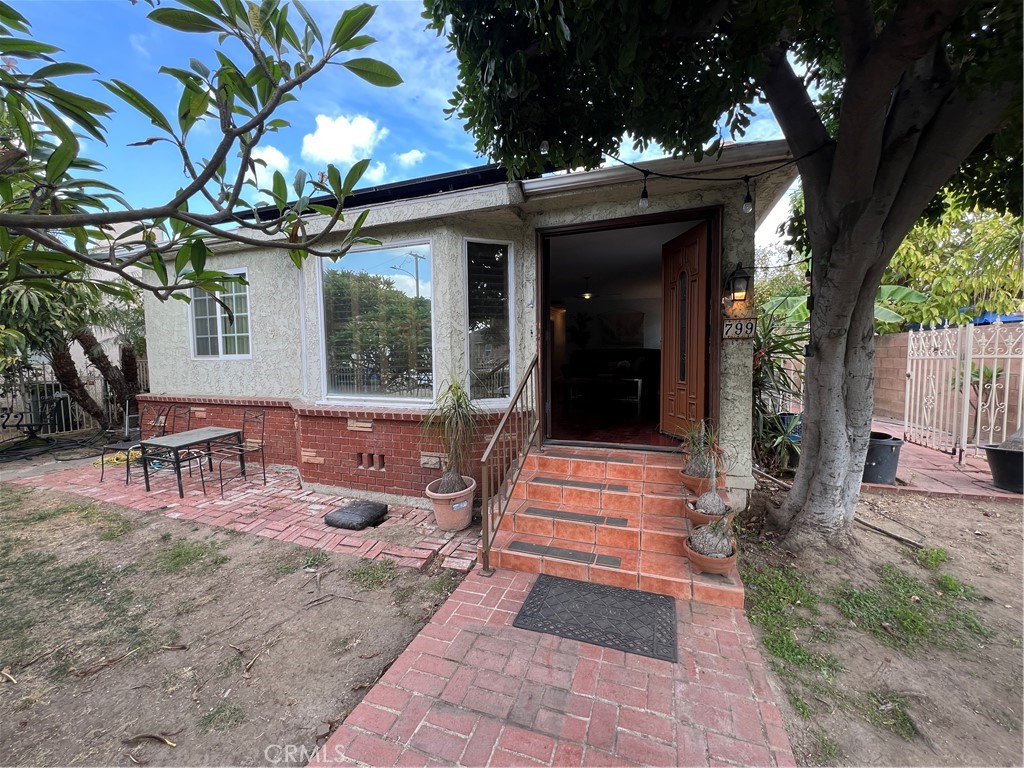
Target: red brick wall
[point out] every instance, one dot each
(890, 375)
(346, 447)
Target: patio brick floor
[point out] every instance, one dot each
(471, 690)
(280, 510)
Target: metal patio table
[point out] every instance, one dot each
(175, 447)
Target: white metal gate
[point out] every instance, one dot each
(963, 387)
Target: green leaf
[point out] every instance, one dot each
(58, 163)
(358, 42)
(300, 181)
(199, 254)
(26, 49)
(60, 69)
(159, 267)
(310, 23)
(183, 257)
(354, 174)
(132, 97)
(184, 21)
(351, 21)
(280, 190)
(374, 72)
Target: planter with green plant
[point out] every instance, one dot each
(711, 548)
(450, 426)
(702, 459)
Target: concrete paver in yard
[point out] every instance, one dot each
(473, 690)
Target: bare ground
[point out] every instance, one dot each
(955, 699)
(127, 632)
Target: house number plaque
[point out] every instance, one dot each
(738, 327)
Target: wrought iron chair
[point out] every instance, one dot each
(152, 420)
(254, 422)
(178, 418)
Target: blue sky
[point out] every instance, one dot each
(337, 119)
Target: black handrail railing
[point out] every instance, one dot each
(503, 459)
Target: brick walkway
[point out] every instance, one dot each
(280, 510)
(471, 689)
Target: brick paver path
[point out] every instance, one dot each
(280, 510)
(471, 689)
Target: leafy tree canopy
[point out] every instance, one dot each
(58, 217)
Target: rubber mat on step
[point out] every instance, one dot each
(612, 617)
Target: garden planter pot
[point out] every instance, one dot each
(700, 518)
(1007, 467)
(452, 511)
(703, 564)
(883, 458)
(700, 484)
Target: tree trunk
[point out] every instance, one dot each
(67, 374)
(118, 388)
(839, 398)
(130, 369)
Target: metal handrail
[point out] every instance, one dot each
(503, 459)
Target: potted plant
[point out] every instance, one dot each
(1006, 463)
(703, 458)
(450, 425)
(711, 547)
(709, 506)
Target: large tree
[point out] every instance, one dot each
(61, 223)
(881, 103)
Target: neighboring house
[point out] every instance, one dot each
(475, 276)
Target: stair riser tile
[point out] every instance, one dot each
(552, 465)
(565, 569)
(621, 502)
(582, 497)
(596, 470)
(671, 587)
(539, 526)
(574, 531)
(665, 543)
(516, 561)
(667, 475)
(727, 596)
(662, 505)
(617, 471)
(622, 538)
(614, 578)
(544, 492)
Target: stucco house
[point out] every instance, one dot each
(622, 304)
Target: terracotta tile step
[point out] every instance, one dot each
(666, 573)
(607, 465)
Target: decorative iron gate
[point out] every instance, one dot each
(963, 387)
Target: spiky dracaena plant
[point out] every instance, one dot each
(705, 454)
(713, 540)
(450, 424)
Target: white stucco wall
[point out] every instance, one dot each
(285, 302)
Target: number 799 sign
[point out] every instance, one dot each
(738, 327)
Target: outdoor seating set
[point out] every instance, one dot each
(160, 438)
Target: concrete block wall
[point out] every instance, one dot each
(890, 375)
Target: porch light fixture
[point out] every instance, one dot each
(737, 285)
(748, 200)
(644, 201)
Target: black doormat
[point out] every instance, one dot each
(612, 617)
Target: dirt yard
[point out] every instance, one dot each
(132, 639)
(891, 655)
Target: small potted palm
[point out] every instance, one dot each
(450, 426)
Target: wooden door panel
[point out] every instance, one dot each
(684, 324)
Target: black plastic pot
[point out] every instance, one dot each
(1007, 467)
(883, 459)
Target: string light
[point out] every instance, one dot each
(644, 200)
(544, 147)
(748, 200)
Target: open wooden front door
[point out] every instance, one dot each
(684, 330)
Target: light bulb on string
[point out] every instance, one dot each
(748, 200)
(644, 199)
(544, 147)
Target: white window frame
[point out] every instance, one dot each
(220, 337)
(513, 379)
(380, 400)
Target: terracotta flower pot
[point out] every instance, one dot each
(452, 511)
(700, 518)
(703, 564)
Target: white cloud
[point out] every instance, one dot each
(342, 139)
(410, 158)
(407, 285)
(138, 43)
(274, 159)
(375, 173)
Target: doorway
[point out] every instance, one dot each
(616, 334)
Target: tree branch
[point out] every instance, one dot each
(856, 30)
(957, 128)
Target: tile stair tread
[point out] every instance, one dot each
(630, 486)
(667, 524)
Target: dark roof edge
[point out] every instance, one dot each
(451, 181)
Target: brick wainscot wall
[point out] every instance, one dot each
(376, 451)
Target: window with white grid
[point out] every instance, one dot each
(216, 332)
